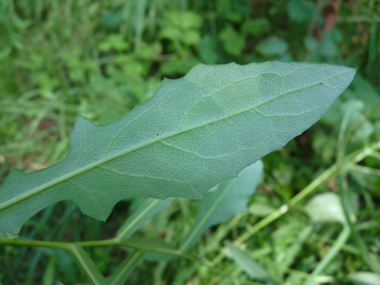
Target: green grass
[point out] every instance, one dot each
(99, 59)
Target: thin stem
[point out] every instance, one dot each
(127, 267)
(295, 200)
(267, 220)
(360, 154)
(365, 170)
(69, 245)
(345, 135)
(334, 170)
(127, 229)
(371, 262)
(88, 265)
(341, 240)
(201, 223)
(36, 243)
(375, 155)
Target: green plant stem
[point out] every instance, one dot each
(68, 246)
(341, 240)
(365, 170)
(360, 154)
(368, 259)
(376, 155)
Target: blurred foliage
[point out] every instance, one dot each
(101, 58)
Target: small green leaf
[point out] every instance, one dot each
(233, 42)
(310, 43)
(146, 211)
(49, 273)
(185, 20)
(300, 11)
(195, 132)
(256, 27)
(110, 20)
(364, 131)
(351, 111)
(261, 209)
(120, 275)
(249, 265)
(272, 47)
(326, 208)
(364, 278)
(223, 201)
(89, 266)
(289, 255)
(208, 50)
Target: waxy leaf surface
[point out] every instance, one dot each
(195, 132)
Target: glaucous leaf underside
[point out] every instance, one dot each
(195, 132)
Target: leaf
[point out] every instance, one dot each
(287, 257)
(351, 111)
(272, 47)
(120, 275)
(233, 42)
(364, 278)
(261, 209)
(208, 49)
(310, 43)
(89, 266)
(326, 208)
(146, 211)
(364, 131)
(300, 11)
(49, 273)
(256, 27)
(223, 201)
(249, 265)
(110, 20)
(194, 133)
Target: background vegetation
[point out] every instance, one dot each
(101, 58)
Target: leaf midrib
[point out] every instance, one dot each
(63, 178)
